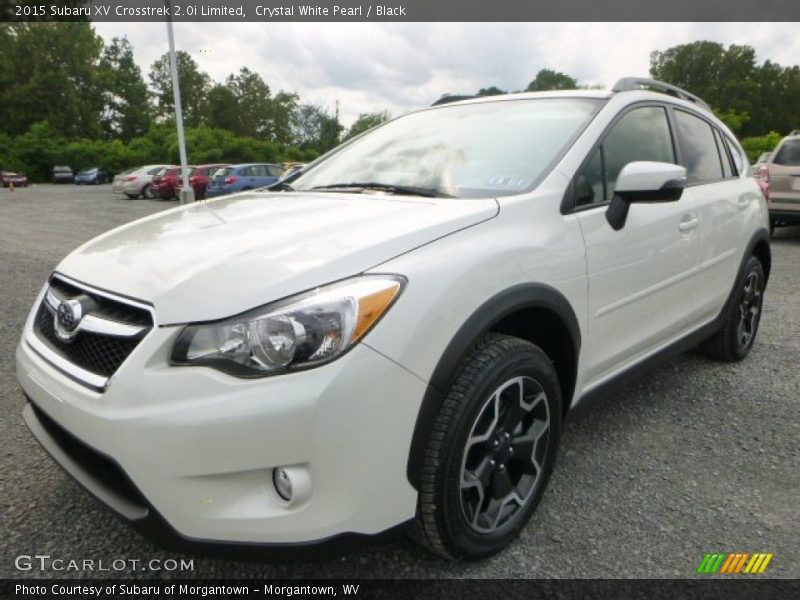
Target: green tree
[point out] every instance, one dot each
(48, 72)
(222, 108)
(193, 83)
(752, 99)
(491, 91)
(282, 117)
(547, 79)
(316, 129)
(366, 121)
(254, 102)
(126, 111)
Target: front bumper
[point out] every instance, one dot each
(199, 447)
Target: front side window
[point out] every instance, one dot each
(700, 152)
(641, 134)
(479, 150)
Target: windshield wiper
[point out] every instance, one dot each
(389, 187)
(278, 186)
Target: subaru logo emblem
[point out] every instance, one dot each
(69, 314)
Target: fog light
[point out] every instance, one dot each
(283, 483)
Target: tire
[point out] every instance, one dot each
(736, 337)
(132, 196)
(468, 460)
(771, 228)
(147, 192)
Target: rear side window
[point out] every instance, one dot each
(788, 154)
(155, 170)
(700, 152)
(641, 134)
(274, 170)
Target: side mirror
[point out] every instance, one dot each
(644, 182)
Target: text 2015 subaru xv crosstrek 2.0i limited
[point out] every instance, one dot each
(394, 336)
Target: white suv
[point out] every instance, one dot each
(394, 337)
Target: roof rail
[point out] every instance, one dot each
(447, 99)
(629, 84)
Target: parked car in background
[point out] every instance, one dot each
(93, 176)
(166, 182)
(239, 178)
(9, 177)
(782, 172)
(136, 182)
(291, 169)
(762, 160)
(201, 176)
(62, 174)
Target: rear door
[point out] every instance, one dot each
(638, 277)
(784, 177)
(719, 201)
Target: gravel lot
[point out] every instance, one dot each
(698, 457)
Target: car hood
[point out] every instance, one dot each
(215, 259)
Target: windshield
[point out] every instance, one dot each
(467, 151)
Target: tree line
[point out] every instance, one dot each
(66, 97)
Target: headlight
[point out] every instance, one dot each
(297, 333)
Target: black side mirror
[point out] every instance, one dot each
(644, 182)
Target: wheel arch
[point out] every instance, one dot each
(536, 312)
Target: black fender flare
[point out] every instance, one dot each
(518, 297)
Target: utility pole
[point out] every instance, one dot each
(186, 194)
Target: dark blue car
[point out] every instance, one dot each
(238, 178)
(92, 177)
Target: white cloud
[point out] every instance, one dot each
(401, 66)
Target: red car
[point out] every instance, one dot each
(167, 182)
(9, 177)
(200, 177)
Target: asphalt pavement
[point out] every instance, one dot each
(697, 457)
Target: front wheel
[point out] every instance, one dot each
(492, 449)
(734, 341)
(148, 193)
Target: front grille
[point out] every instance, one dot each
(97, 353)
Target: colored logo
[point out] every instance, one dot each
(735, 563)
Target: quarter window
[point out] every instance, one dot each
(727, 173)
(641, 134)
(700, 152)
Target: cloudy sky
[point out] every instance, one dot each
(401, 66)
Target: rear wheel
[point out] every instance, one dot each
(734, 341)
(491, 451)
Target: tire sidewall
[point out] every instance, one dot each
(465, 542)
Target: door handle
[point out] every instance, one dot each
(688, 223)
(743, 202)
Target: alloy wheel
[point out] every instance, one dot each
(749, 309)
(504, 454)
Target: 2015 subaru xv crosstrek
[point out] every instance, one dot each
(394, 335)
